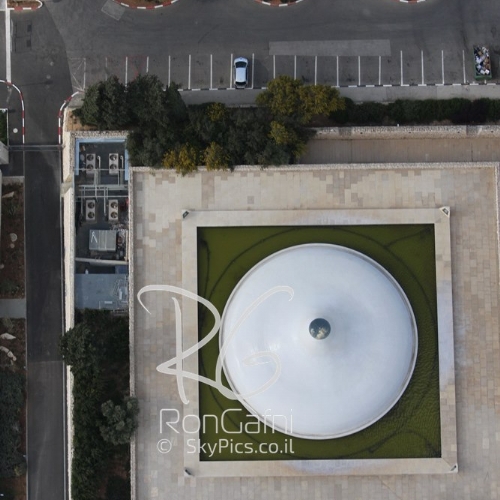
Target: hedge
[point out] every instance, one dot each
(97, 349)
(407, 112)
(12, 461)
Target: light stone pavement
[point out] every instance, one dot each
(404, 145)
(158, 199)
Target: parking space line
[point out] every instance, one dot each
(338, 71)
(401, 67)
(274, 66)
(253, 67)
(211, 72)
(147, 65)
(8, 46)
(380, 70)
(315, 70)
(231, 73)
(442, 65)
(463, 63)
(189, 73)
(359, 70)
(126, 71)
(422, 59)
(295, 67)
(84, 71)
(169, 71)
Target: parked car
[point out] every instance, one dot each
(240, 68)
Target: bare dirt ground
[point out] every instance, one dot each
(15, 488)
(12, 242)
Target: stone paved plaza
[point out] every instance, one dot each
(158, 200)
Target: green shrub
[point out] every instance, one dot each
(408, 112)
(3, 127)
(117, 488)
(97, 351)
(12, 462)
(368, 113)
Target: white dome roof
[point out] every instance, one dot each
(327, 387)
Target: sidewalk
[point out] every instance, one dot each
(396, 145)
(357, 94)
(12, 308)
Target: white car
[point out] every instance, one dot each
(240, 68)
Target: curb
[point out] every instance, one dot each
(23, 128)
(277, 3)
(60, 115)
(21, 9)
(148, 7)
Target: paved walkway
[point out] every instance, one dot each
(358, 94)
(401, 150)
(12, 308)
(158, 199)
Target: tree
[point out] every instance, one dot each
(282, 97)
(147, 102)
(120, 421)
(78, 347)
(105, 105)
(216, 158)
(288, 136)
(289, 100)
(184, 159)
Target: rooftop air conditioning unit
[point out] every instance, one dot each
(90, 208)
(113, 163)
(90, 161)
(113, 210)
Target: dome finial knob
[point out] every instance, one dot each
(319, 328)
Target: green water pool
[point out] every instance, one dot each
(410, 430)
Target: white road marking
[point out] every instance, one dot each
(189, 73)
(274, 66)
(126, 72)
(84, 72)
(422, 59)
(211, 72)
(359, 70)
(442, 65)
(231, 73)
(401, 67)
(147, 65)
(253, 68)
(295, 67)
(315, 70)
(338, 71)
(169, 71)
(463, 63)
(8, 47)
(380, 70)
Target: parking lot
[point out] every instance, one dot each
(214, 71)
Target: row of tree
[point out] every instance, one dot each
(104, 416)
(163, 131)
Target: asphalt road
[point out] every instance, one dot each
(191, 41)
(46, 427)
(40, 70)
(69, 44)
